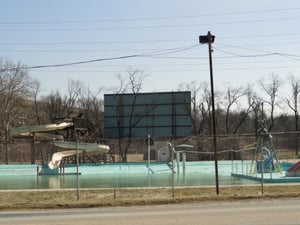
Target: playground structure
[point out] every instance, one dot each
(265, 156)
(265, 164)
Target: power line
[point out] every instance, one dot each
(163, 53)
(81, 62)
(174, 70)
(232, 37)
(266, 53)
(178, 64)
(168, 26)
(98, 42)
(134, 56)
(150, 54)
(149, 18)
(246, 56)
(157, 54)
(204, 63)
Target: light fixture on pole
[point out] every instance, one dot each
(209, 39)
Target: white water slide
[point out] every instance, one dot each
(40, 132)
(72, 146)
(29, 130)
(58, 157)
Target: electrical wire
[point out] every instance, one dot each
(222, 56)
(163, 54)
(151, 54)
(266, 53)
(232, 37)
(98, 42)
(246, 56)
(121, 42)
(151, 18)
(167, 26)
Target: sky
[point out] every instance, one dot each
(253, 39)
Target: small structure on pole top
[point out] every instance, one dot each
(204, 39)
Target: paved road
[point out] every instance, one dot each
(258, 212)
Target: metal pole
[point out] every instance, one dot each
(77, 169)
(172, 169)
(149, 156)
(183, 162)
(173, 192)
(242, 167)
(262, 171)
(209, 37)
(177, 160)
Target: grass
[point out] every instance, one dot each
(54, 199)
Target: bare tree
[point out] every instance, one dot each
(92, 107)
(201, 106)
(254, 104)
(134, 85)
(36, 90)
(194, 88)
(232, 95)
(205, 109)
(54, 106)
(250, 107)
(271, 89)
(15, 87)
(75, 89)
(63, 106)
(293, 105)
(293, 100)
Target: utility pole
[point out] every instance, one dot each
(209, 39)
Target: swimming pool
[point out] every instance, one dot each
(113, 175)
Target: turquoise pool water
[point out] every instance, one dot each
(200, 173)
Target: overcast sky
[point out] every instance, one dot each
(253, 39)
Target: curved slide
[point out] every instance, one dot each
(58, 157)
(28, 130)
(81, 146)
(72, 146)
(40, 131)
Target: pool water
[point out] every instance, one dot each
(200, 173)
